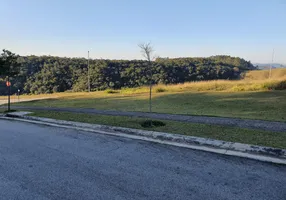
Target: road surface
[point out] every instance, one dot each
(41, 162)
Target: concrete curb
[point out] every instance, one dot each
(266, 154)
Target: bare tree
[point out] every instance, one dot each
(147, 51)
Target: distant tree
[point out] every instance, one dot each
(147, 51)
(9, 68)
(9, 65)
(47, 74)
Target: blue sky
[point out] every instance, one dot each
(177, 28)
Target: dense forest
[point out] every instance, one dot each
(47, 74)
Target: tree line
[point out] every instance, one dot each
(48, 74)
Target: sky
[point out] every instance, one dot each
(112, 29)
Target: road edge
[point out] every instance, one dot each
(265, 154)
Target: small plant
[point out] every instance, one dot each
(158, 90)
(109, 91)
(281, 86)
(152, 123)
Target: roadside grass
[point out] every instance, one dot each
(267, 105)
(226, 133)
(6, 111)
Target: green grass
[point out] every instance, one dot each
(254, 97)
(267, 105)
(4, 110)
(232, 134)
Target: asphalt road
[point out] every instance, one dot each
(41, 162)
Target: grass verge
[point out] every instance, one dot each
(232, 134)
(268, 105)
(3, 110)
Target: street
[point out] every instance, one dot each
(42, 162)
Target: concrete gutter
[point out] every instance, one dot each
(266, 154)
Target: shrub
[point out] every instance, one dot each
(158, 90)
(277, 85)
(134, 90)
(152, 123)
(281, 85)
(238, 88)
(109, 91)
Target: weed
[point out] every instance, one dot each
(109, 91)
(158, 90)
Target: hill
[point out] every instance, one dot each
(267, 65)
(48, 74)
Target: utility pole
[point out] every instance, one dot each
(88, 75)
(8, 84)
(270, 68)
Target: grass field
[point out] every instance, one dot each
(232, 134)
(253, 97)
(270, 105)
(264, 74)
